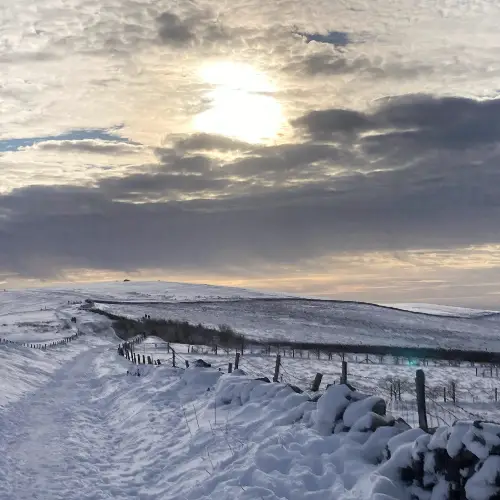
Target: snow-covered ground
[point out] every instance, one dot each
(440, 310)
(330, 321)
(474, 394)
(75, 425)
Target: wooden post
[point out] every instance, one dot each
(173, 358)
(187, 363)
(237, 361)
(453, 392)
(420, 389)
(444, 394)
(143, 359)
(476, 371)
(343, 377)
(277, 368)
(316, 382)
(496, 395)
(230, 368)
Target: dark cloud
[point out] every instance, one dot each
(277, 204)
(334, 62)
(181, 32)
(393, 210)
(158, 185)
(322, 124)
(207, 142)
(174, 31)
(413, 121)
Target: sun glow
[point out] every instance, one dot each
(242, 104)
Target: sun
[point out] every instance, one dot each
(241, 103)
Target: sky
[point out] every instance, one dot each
(344, 149)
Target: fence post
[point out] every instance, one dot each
(453, 392)
(316, 382)
(237, 361)
(420, 389)
(496, 395)
(173, 358)
(444, 394)
(230, 368)
(343, 377)
(143, 359)
(277, 368)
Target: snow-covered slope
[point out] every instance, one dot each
(329, 321)
(75, 425)
(440, 310)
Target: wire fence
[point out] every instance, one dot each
(445, 401)
(43, 345)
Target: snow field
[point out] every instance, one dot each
(94, 432)
(328, 322)
(76, 425)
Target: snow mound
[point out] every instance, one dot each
(461, 461)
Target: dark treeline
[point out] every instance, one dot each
(173, 331)
(224, 336)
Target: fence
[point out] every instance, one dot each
(45, 345)
(444, 402)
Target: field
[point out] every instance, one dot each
(75, 424)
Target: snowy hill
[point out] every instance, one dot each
(76, 425)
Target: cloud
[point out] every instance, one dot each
(424, 206)
(336, 63)
(392, 144)
(413, 121)
(82, 137)
(210, 142)
(321, 124)
(179, 32)
(94, 146)
(174, 31)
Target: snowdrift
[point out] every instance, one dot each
(462, 461)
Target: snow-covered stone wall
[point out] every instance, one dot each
(457, 462)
